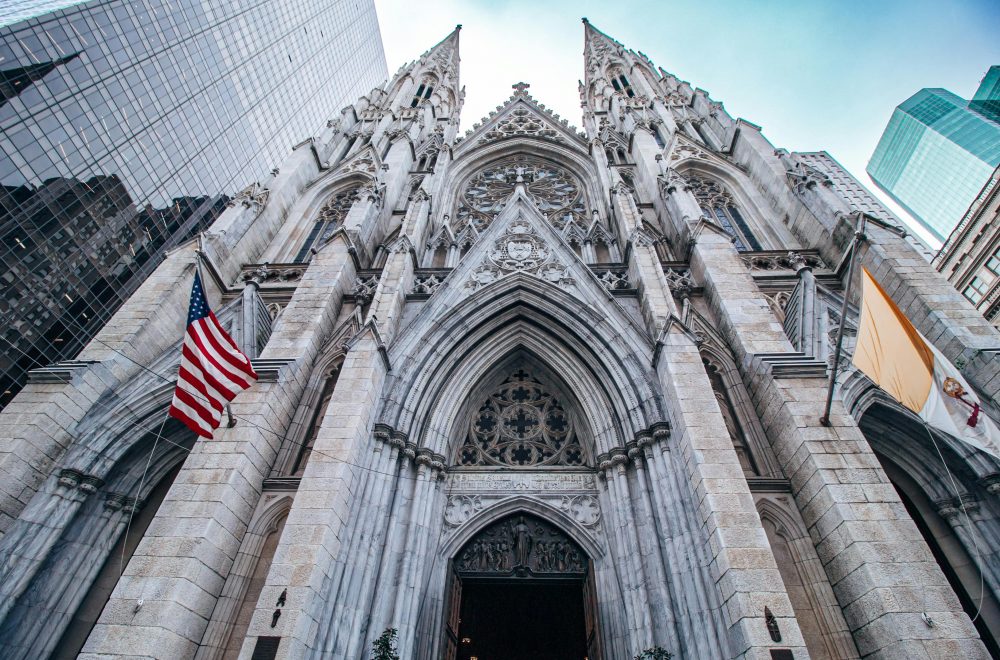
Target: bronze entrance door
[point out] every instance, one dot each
(521, 590)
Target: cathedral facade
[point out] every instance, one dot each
(526, 390)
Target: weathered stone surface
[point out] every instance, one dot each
(623, 337)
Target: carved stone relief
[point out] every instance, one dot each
(520, 249)
(520, 121)
(523, 546)
(574, 492)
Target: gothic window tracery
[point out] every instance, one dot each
(330, 217)
(521, 424)
(719, 206)
(558, 194)
(423, 93)
(621, 83)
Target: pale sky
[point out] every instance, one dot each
(815, 75)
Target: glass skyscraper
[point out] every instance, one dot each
(937, 153)
(125, 126)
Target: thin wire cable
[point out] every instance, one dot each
(142, 481)
(138, 422)
(968, 521)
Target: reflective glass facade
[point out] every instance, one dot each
(935, 155)
(126, 125)
(986, 100)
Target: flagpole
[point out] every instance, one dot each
(859, 236)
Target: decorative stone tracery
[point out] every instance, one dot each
(518, 122)
(521, 424)
(719, 206)
(557, 193)
(330, 216)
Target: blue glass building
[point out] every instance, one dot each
(126, 125)
(938, 151)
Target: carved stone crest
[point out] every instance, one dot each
(520, 249)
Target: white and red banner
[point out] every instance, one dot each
(893, 353)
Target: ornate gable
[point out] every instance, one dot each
(520, 249)
(522, 116)
(366, 161)
(685, 149)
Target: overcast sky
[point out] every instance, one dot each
(815, 75)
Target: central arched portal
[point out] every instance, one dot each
(521, 589)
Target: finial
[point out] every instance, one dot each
(585, 21)
(520, 89)
(458, 27)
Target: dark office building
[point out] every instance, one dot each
(125, 126)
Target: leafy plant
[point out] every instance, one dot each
(384, 648)
(655, 653)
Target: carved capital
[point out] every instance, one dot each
(90, 484)
(69, 478)
(121, 502)
(991, 483)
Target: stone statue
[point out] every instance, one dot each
(522, 543)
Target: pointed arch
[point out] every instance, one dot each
(230, 619)
(294, 453)
(524, 384)
(311, 223)
(438, 248)
(729, 198)
(522, 504)
(604, 364)
(820, 617)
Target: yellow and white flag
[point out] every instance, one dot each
(896, 356)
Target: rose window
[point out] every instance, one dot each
(521, 424)
(557, 193)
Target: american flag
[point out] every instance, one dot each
(213, 370)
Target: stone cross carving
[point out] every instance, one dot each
(520, 89)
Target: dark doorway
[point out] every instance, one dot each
(522, 620)
(521, 589)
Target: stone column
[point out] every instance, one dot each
(881, 571)
(179, 568)
(31, 539)
(630, 568)
(318, 523)
(742, 565)
(661, 592)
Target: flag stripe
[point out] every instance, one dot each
(210, 363)
(210, 417)
(226, 346)
(212, 354)
(210, 331)
(197, 389)
(235, 352)
(198, 368)
(212, 372)
(179, 411)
